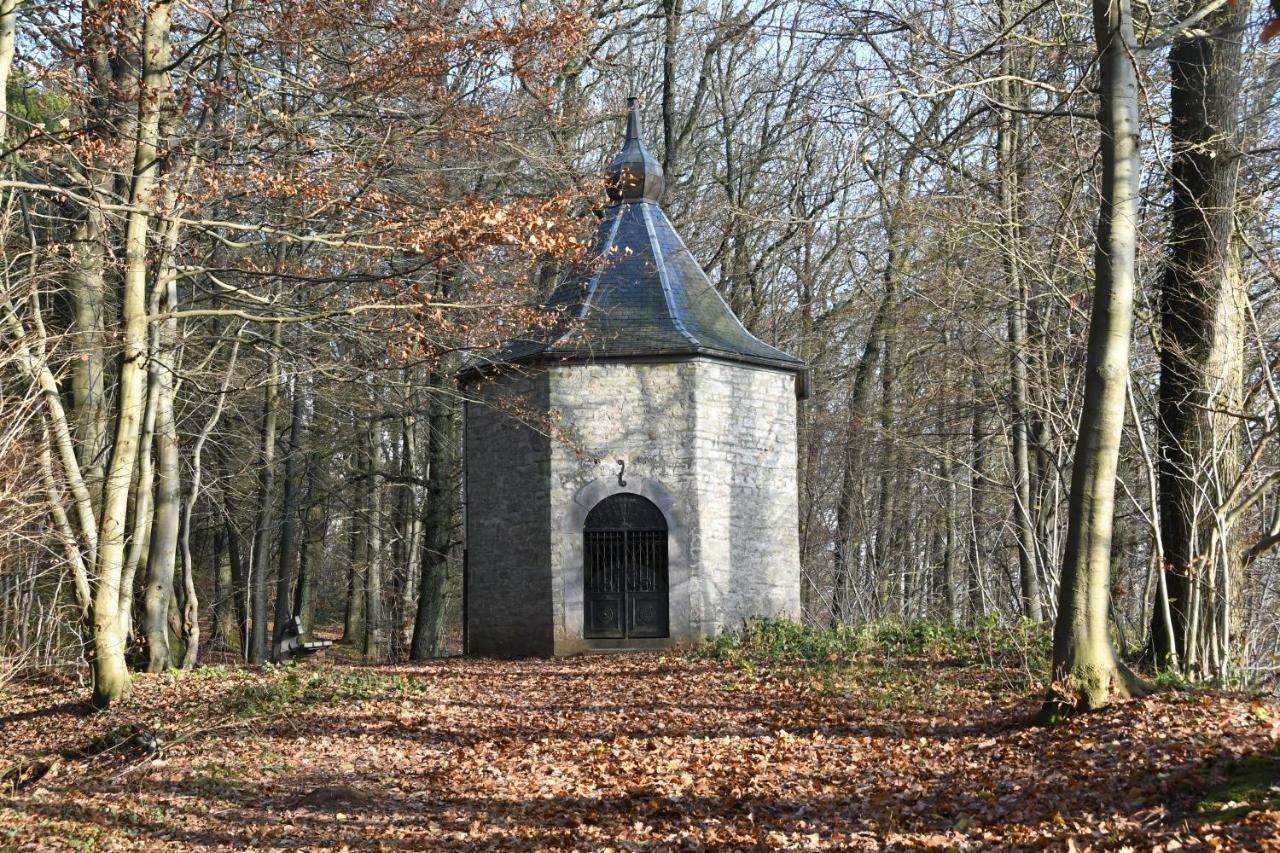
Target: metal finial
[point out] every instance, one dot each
(633, 119)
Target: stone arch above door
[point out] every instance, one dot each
(569, 532)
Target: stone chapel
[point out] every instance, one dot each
(663, 508)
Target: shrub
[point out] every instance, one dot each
(1023, 645)
(782, 641)
(298, 689)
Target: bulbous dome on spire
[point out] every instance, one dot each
(634, 174)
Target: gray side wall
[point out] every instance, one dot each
(508, 521)
(745, 435)
(712, 444)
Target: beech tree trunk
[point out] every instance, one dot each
(891, 579)
(311, 560)
(223, 630)
(289, 512)
(162, 553)
(143, 514)
(190, 602)
(316, 522)
(408, 526)
(1010, 241)
(239, 583)
(672, 10)
(979, 542)
(374, 642)
(947, 570)
(854, 445)
(1086, 670)
(110, 675)
(353, 618)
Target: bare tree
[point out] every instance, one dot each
(1085, 668)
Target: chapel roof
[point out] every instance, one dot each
(642, 294)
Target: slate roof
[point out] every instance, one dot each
(643, 295)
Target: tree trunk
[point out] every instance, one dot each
(311, 561)
(1086, 669)
(978, 541)
(1202, 303)
(1046, 479)
(891, 581)
(190, 601)
(672, 10)
(87, 288)
(175, 622)
(224, 621)
(162, 552)
(110, 675)
(374, 645)
(840, 556)
(854, 444)
(143, 505)
(239, 581)
(408, 524)
(353, 619)
(947, 573)
(257, 650)
(437, 522)
(289, 511)
(946, 582)
(1010, 241)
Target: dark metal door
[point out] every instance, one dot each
(625, 570)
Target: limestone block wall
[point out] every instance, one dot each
(508, 592)
(747, 491)
(642, 414)
(713, 444)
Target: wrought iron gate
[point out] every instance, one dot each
(625, 569)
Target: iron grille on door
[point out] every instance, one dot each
(625, 570)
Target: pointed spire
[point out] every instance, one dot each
(634, 174)
(633, 120)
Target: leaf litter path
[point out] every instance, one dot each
(620, 751)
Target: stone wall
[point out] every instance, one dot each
(508, 589)
(745, 435)
(643, 415)
(714, 441)
(711, 443)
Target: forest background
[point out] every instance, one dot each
(246, 246)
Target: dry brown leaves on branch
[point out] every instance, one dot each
(618, 752)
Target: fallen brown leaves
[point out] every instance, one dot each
(622, 751)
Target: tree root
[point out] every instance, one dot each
(1093, 691)
(1129, 685)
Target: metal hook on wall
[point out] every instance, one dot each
(622, 469)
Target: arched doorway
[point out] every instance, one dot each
(624, 555)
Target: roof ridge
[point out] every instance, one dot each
(585, 308)
(716, 292)
(663, 280)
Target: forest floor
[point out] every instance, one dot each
(626, 751)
